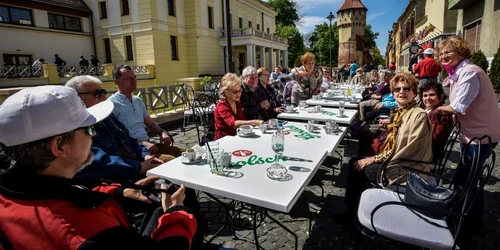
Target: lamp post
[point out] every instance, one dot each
(330, 17)
(349, 49)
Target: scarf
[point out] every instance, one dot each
(392, 129)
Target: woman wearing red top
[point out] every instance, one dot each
(228, 112)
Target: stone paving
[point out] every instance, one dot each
(326, 233)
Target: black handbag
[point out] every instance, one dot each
(435, 198)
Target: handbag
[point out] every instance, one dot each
(437, 199)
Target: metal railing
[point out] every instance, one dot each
(20, 71)
(69, 71)
(255, 33)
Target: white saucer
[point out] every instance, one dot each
(184, 160)
(247, 135)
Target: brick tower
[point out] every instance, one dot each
(351, 21)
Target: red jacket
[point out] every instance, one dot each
(426, 68)
(225, 118)
(43, 212)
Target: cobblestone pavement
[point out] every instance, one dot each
(326, 233)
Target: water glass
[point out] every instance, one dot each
(318, 108)
(302, 105)
(330, 127)
(341, 107)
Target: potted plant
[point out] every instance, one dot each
(495, 72)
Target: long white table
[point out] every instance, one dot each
(254, 187)
(325, 115)
(330, 103)
(355, 96)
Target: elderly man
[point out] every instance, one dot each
(253, 107)
(46, 132)
(427, 69)
(117, 156)
(131, 111)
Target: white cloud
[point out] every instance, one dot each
(309, 22)
(374, 15)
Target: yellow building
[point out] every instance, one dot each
(185, 38)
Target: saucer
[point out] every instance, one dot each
(290, 112)
(341, 116)
(184, 160)
(247, 135)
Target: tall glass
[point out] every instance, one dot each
(213, 155)
(341, 107)
(302, 105)
(277, 171)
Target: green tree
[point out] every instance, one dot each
(478, 58)
(495, 71)
(320, 43)
(378, 59)
(371, 36)
(296, 45)
(287, 12)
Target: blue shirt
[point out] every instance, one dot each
(131, 114)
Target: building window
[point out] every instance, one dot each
(210, 17)
(107, 50)
(240, 23)
(129, 49)
(171, 7)
(249, 24)
(268, 31)
(60, 22)
(258, 26)
(17, 60)
(125, 9)
(15, 15)
(173, 48)
(103, 10)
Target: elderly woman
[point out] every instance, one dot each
(308, 79)
(472, 100)
(328, 81)
(267, 93)
(376, 98)
(228, 112)
(409, 138)
(359, 78)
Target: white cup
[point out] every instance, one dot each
(273, 123)
(263, 127)
(190, 154)
(245, 129)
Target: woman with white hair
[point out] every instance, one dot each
(229, 112)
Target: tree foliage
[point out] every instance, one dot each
(495, 71)
(320, 43)
(478, 58)
(287, 12)
(378, 59)
(371, 36)
(295, 41)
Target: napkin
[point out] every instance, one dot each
(200, 151)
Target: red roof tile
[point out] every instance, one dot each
(352, 4)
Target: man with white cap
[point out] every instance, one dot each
(46, 135)
(427, 69)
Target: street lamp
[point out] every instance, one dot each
(349, 49)
(330, 17)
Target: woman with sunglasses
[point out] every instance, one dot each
(228, 112)
(267, 93)
(473, 101)
(409, 138)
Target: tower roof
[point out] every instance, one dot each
(352, 4)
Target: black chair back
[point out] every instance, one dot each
(448, 148)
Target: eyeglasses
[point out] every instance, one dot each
(97, 93)
(405, 89)
(89, 129)
(239, 91)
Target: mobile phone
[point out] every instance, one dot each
(155, 196)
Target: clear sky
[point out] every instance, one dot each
(381, 15)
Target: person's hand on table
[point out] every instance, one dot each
(154, 160)
(279, 109)
(176, 199)
(363, 163)
(152, 148)
(256, 122)
(137, 194)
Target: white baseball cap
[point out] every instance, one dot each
(429, 51)
(41, 112)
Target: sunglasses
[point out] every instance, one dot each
(236, 91)
(89, 129)
(405, 89)
(97, 93)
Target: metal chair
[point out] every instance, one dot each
(383, 215)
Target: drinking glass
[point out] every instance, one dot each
(341, 107)
(302, 105)
(214, 154)
(277, 171)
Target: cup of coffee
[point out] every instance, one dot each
(189, 154)
(263, 127)
(273, 123)
(245, 130)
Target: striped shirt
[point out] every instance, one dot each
(131, 114)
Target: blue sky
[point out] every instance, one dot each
(381, 15)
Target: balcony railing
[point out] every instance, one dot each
(20, 71)
(253, 33)
(69, 71)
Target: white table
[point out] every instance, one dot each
(356, 96)
(325, 115)
(330, 103)
(254, 187)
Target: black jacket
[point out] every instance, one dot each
(250, 102)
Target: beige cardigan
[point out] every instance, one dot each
(413, 142)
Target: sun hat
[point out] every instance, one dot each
(41, 112)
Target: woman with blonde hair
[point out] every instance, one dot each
(308, 79)
(228, 112)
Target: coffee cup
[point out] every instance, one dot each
(263, 127)
(189, 154)
(273, 123)
(245, 130)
